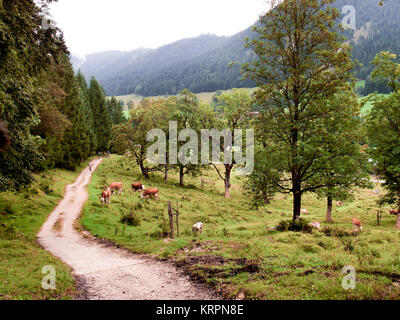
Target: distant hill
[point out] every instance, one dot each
(201, 64)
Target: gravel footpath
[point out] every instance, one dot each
(109, 273)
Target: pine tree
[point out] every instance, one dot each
(88, 114)
(102, 121)
(115, 111)
(76, 143)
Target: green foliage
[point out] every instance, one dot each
(25, 51)
(102, 121)
(338, 232)
(301, 225)
(297, 125)
(115, 111)
(131, 218)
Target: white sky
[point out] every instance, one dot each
(98, 25)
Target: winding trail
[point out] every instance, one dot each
(109, 273)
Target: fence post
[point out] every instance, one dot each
(171, 219)
(379, 217)
(177, 219)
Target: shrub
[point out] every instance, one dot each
(301, 225)
(283, 225)
(131, 219)
(45, 187)
(309, 248)
(337, 232)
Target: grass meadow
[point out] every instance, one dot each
(237, 253)
(22, 259)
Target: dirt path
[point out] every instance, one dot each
(107, 272)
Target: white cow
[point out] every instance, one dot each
(198, 227)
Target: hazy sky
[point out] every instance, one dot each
(98, 25)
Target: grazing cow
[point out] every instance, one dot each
(106, 196)
(394, 211)
(4, 138)
(150, 192)
(316, 225)
(116, 186)
(357, 225)
(198, 227)
(137, 186)
(339, 203)
(303, 211)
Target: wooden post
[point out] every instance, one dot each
(379, 217)
(171, 219)
(177, 219)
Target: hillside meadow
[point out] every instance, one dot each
(238, 254)
(21, 216)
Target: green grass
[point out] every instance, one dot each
(22, 259)
(236, 252)
(367, 107)
(203, 96)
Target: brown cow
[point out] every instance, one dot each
(137, 186)
(150, 192)
(116, 186)
(394, 211)
(357, 225)
(106, 196)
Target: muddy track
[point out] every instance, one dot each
(109, 273)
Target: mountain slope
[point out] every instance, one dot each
(202, 64)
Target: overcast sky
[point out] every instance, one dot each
(98, 25)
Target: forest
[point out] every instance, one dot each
(55, 119)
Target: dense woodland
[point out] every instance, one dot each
(53, 117)
(202, 64)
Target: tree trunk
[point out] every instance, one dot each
(265, 197)
(144, 171)
(181, 175)
(166, 174)
(398, 222)
(227, 181)
(329, 210)
(296, 205)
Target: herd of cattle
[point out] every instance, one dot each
(116, 187)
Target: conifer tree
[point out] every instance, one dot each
(102, 121)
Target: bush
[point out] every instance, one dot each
(337, 232)
(283, 225)
(45, 187)
(131, 219)
(301, 225)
